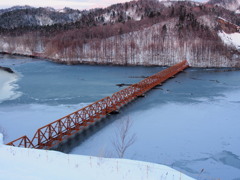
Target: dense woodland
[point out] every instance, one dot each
(144, 32)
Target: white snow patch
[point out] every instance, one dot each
(137, 18)
(44, 20)
(207, 20)
(133, 14)
(8, 86)
(237, 11)
(224, 20)
(107, 17)
(170, 2)
(232, 39)
(62, 10)
(5, 46)
(28, 164)
(230, 5)
(167, 3)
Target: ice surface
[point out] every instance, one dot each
(187, 136)
(30, 117)
(190, 123)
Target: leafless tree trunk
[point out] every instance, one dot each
(123, 139)
(3, 132)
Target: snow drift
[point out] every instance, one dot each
(28, 164)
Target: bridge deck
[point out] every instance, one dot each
(60, 130)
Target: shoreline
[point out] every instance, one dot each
(58, 61)
(7, 69)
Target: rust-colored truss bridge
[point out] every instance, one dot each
(52, 134)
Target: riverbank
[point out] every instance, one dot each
(74, 62)
(89, 62)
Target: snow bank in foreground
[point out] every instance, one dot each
(28, 164)
(230, 39)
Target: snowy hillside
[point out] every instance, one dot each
(232, 39)
(143, 32)
(26, 16)
(28, 164)
(14, 8)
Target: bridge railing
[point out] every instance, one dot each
(54, 133)
(21, 142)
(59, 130)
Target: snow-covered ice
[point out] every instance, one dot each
(189, 124)
(197, 134)
(8, 86)
(31, 164)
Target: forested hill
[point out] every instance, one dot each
(143, 32)
(232, 5)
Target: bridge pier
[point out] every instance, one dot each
(142, 95)
(77, 139)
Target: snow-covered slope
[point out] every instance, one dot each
(232, 39)
(29, 164)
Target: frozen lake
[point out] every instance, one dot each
(191, 123)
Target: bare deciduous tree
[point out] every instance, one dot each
(123, 139)
(3, 132)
